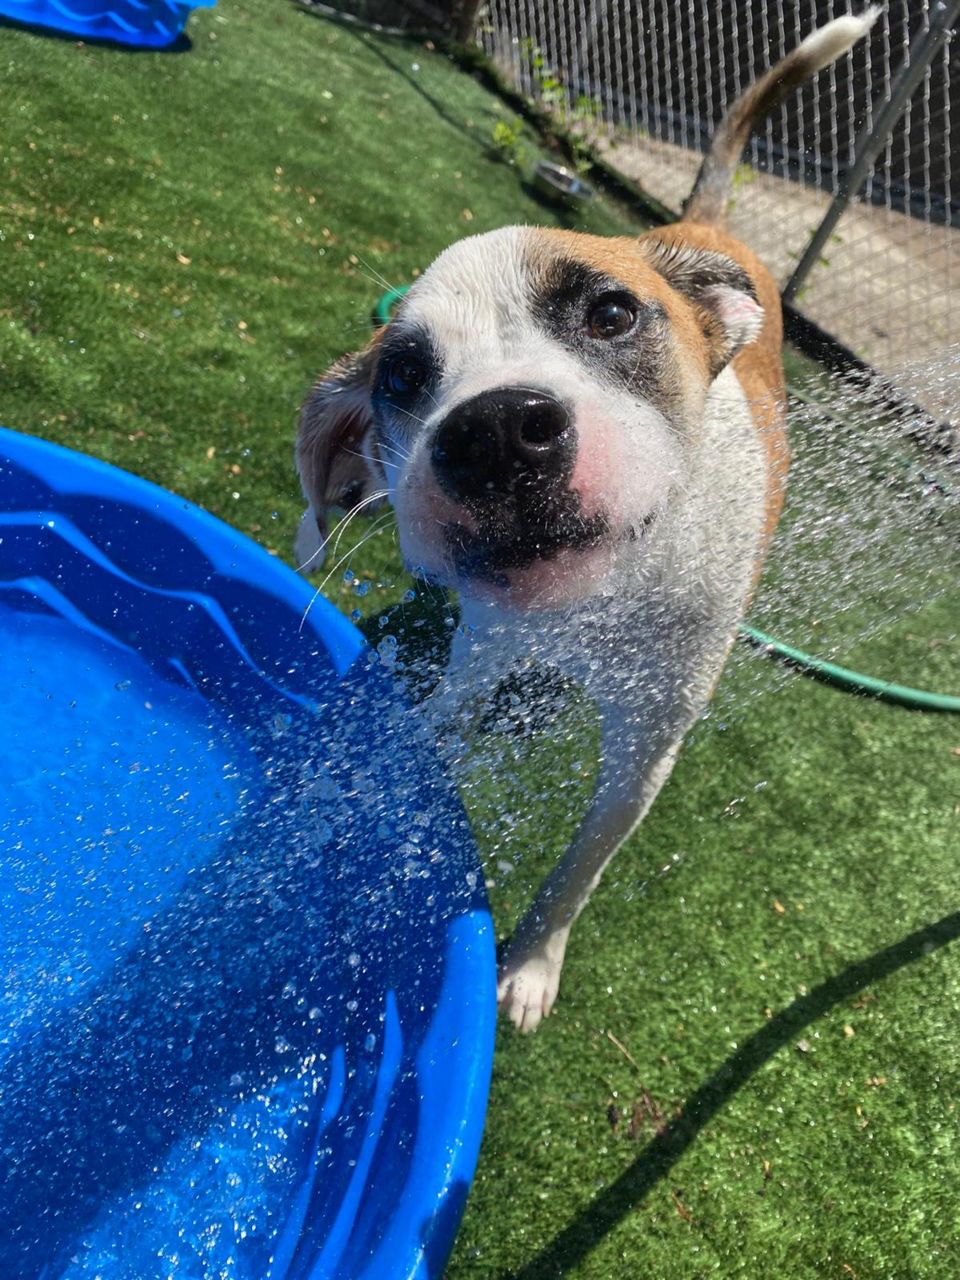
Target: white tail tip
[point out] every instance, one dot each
(824, 46)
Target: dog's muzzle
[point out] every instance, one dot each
(502, 441)
(507, 456)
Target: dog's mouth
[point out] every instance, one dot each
(509, 541)
(489, 554)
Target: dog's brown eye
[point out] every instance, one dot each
(610, 317)
(404, 375)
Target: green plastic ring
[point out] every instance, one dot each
(386, 305)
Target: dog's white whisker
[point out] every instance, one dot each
(377, 496)
(320, 551)
(402, 456)
(302, 568)
(354, 511)
(382, 523)
(431, 397)
(373, 275)
(421, 422)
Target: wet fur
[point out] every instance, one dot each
(639, 582)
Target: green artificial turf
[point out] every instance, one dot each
(754, 1065)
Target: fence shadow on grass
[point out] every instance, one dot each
(590, 1226)
(406, 43)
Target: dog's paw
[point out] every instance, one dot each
(526, 994)
(527, 986)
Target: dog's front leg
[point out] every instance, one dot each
(634, 767)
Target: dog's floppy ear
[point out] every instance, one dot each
(721, 290)
(334, 457)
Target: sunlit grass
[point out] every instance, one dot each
(187, 240)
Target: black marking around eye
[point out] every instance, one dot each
(566, 291)
(408, 370)
(566, 298)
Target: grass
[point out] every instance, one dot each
(753, 1067)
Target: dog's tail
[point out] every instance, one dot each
(711, 192)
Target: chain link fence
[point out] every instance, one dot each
(647, 83)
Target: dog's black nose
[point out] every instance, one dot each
(501, 440)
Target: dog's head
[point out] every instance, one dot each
(530, 409)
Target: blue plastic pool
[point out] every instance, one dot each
(145, 23)
(246, 968)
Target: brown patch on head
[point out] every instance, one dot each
(694, 272)
(665, 359)
(707, 299)
(621, 258)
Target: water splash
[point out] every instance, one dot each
(871, 529)
(870, 535)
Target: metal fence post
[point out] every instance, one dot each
(465, 15)
(943, 14)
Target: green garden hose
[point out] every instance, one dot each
(844, 678)
(828, 672)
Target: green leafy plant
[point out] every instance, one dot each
(583, 114)
(506, 141)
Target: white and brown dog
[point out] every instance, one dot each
(584, 437)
